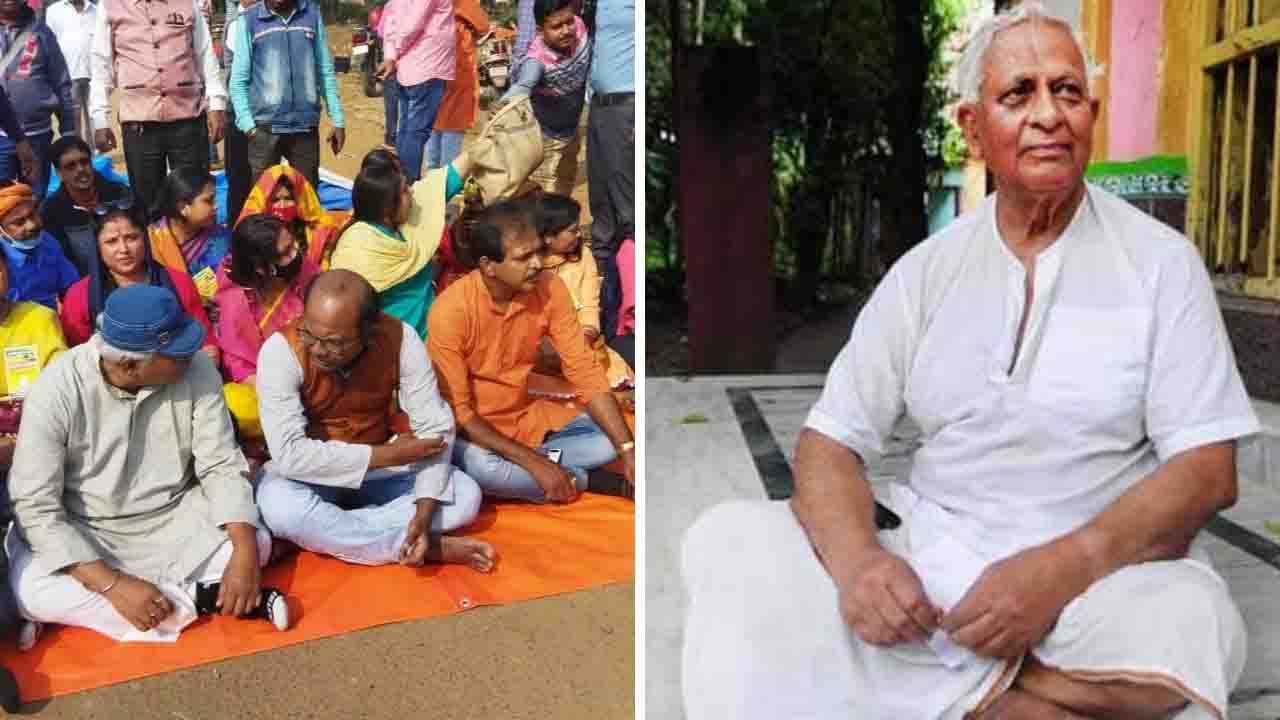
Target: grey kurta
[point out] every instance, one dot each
(144, 482)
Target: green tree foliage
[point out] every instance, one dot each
(857, 90)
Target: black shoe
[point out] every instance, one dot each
(9, 699)
(273, 608)
(272, 605)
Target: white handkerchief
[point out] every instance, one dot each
(947, 569)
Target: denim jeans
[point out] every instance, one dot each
(418, 107)
(391, 109)
(442, 147)
(365, 525)
(11, 169)
(583, 447)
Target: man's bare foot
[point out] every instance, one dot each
(1018, 705)
(477, 554)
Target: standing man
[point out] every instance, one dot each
(72, 21)
(390, 88)
(172, 100)
(418, 46)
(554, 75)
(19, 148)
(236, 149)
(34, 74)
(611, 144)
(281, 61)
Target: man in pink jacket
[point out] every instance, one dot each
(417, 37)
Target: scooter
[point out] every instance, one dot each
(493, 52)
(366, 54)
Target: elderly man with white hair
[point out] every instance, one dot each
(1066, 361)
(132, 505)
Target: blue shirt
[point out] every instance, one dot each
(39, 275)
(613, 68)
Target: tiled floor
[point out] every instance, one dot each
(708, 438)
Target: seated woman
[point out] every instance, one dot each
(123, 259)
(187, 237)
(556, 219)
(260, 289)
(284, 192)
(395, 232)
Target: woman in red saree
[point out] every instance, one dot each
(283, 192)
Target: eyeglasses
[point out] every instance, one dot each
(102, 208)
(335, 345)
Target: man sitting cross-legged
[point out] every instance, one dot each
(133, 510)
(341, 481)
(483, 335)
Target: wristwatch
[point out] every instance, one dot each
(628, 445)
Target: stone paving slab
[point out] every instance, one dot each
(707, 439)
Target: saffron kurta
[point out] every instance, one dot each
(461, 103)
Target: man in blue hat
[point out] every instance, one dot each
(131, 500)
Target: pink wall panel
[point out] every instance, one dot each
(1133, 80)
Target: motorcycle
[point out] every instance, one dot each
(494, 57)
(366, 54)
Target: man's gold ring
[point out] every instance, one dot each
(158, 601)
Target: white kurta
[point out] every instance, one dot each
(1124, 363)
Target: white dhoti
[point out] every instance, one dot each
(48, 596)
(764, 637)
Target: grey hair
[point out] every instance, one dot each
(115, 355)
(966, 80)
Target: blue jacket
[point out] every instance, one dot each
(41, 274)
(278, 69)
(37, 79)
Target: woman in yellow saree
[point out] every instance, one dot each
(283, 192)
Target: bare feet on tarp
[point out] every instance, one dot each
(476, 554)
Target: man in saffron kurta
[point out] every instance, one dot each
(341, 481)
(484, 335)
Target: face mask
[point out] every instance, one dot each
(27, 245)
(286, 213)
(290, 271)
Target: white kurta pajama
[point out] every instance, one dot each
(1124, 363)
(144, 482)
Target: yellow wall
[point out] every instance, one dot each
(1095, 21)
(1174, 108)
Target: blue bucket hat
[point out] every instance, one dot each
(146, 318)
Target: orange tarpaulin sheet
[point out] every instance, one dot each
(542, 550)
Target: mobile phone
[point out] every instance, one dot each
(554, 455)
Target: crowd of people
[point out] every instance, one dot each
(191, 400)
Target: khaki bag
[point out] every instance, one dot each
(507, 152)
